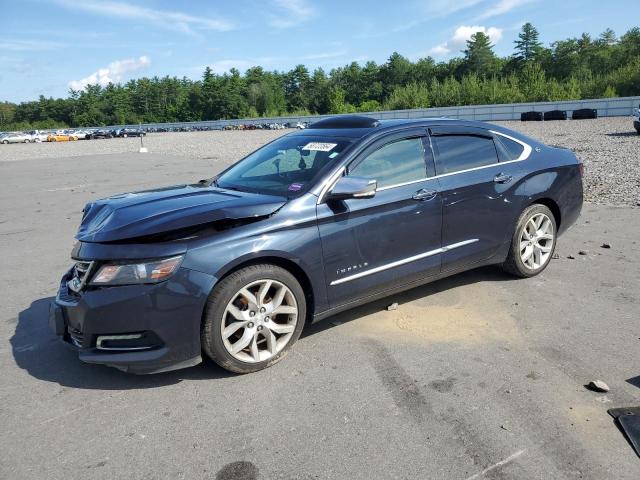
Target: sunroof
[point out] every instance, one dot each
(346, 121)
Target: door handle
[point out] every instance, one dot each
(424, 195)
(502, 178)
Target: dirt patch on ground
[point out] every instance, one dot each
(446, 316)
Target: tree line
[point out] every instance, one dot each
(570, 69)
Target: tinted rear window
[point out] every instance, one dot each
(461, 152)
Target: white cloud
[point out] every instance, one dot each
(460, 37)
(291, 13)
(112, 73)
(171, 20)
(444, 8)
(502, 7)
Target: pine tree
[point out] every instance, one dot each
(608, 37)
(527, 45)
(479, 57)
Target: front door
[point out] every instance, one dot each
(371, 244)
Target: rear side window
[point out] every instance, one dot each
(514, 149)
(461, 152)
(397, 162)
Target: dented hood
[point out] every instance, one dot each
(150, 212)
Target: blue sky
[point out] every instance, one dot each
(47, 46)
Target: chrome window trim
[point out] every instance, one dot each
(404, 261)
(402, 184)
(527, 148)
(333, 179)
(523, 156)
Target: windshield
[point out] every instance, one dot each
(288, 166)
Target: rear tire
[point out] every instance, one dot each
(533, 242)
(253, 317)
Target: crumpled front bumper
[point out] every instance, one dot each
(168, 313)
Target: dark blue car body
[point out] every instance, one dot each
(343, 254)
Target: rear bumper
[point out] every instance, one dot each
(164, 318)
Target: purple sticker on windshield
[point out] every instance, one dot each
(294, 187)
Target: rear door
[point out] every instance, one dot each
(371, 244)
(481, 199)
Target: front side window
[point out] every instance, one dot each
(395, 163)
(288, 166)
(462, 152)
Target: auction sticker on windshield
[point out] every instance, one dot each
(319, 146)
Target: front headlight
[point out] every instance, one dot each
(131, 273)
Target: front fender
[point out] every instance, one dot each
(218, 256)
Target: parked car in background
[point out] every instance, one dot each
(19, 137)
(636, 120)
(61, 137)
(130, 132)
(318, 221)
(101, 133)
(38, 136)
(81, 134)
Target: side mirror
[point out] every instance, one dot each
(353, 187)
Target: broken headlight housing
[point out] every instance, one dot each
(153, 271)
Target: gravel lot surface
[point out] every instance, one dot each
(609, 148)
(476, 376)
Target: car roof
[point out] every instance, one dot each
(351, 126)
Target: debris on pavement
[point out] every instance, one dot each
(598, 386)
(583, 252)
(606, 245)
(628, 419)
(571, 257)
(393, 306)
(555, 256)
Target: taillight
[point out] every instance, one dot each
(581, 168)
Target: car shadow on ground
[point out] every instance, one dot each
(483, 274)
(39, 352)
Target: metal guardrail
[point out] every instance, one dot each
(607, 107)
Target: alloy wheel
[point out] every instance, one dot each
(259, 321)
(536, 241)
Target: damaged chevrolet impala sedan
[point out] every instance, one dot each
(318, 221)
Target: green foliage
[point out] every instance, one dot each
(413, 95)
(569, 69)
(479, 57)
(528, 47)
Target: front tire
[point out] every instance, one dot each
(253, 317)
(533, 242)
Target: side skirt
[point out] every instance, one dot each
(497, 258)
